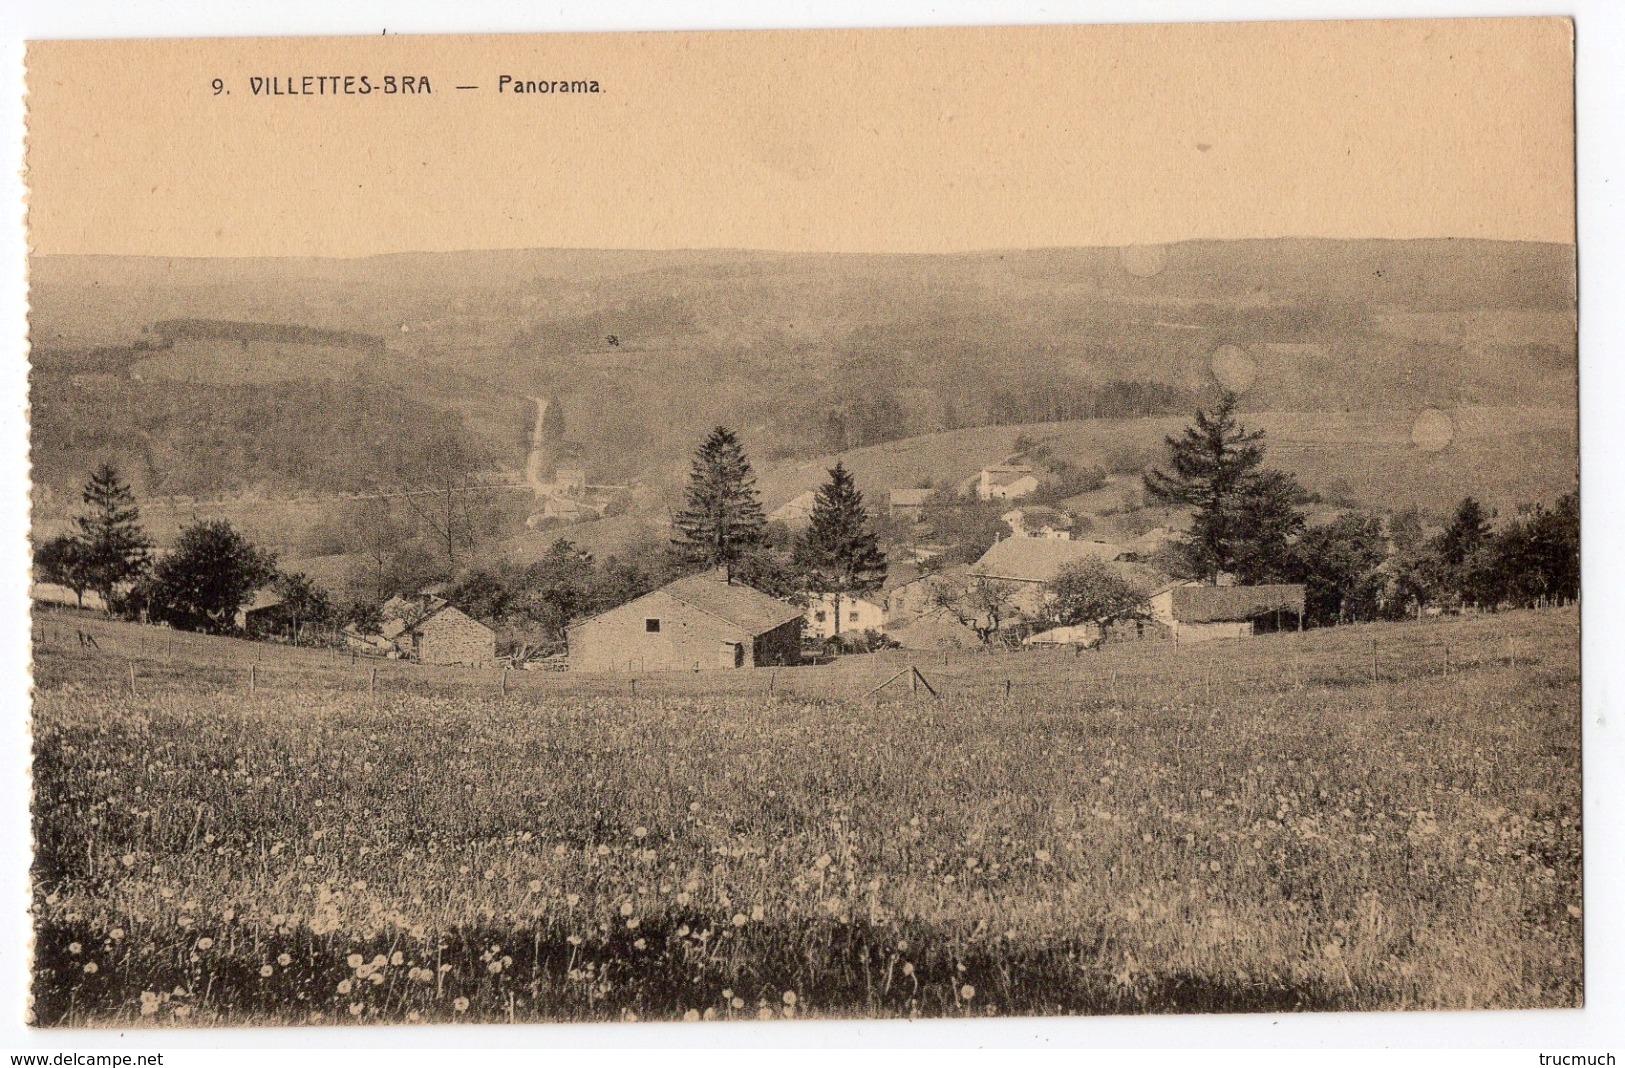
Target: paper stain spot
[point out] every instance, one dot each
(1433, 430)
(1202, 146)
(1234, 369)
(1144, 261)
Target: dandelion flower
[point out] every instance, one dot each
(764, 1013)
(626, 908)
(397, 958)
(640, 832)
(355, 960)
(355, 1008)
(74, 948)
(344, 986)
(91, 968)
(691, 1015)
(494, 967)
(740, 919)
(283, 959)
(572, 900)
(266, 971)
(790, 998)
(640, 944)
(205, 943)
(228, 915)
(414, 1016)
(737, 1003)
(116, 933)
(376, 978)
(183, 1011)
(535, 886)
(757, 913)
(148, 1008)
(908, 969)
(967, 991)
(460, 1005)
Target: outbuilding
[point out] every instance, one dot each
(1197, 613)
(700, 623)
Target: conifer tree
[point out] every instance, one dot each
(721, 520)
(1244, 512)
(840, 554)
(113, 548)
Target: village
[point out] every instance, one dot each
(741, 587)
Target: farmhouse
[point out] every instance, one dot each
(1006, 482)
(428, 629)
(934, 630)
(698, 623)
(1039, 521)
(1030, 564)
(263, 612)
(1197, 613)
(829, 615)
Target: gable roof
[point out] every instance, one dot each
(908, 498)
(1005, 474)
(1040, 513)
(1215, 604)
(751, 610)
(710, 592)
(1039, 559)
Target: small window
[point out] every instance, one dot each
(820, 615)
(852, 617)
(651, 626)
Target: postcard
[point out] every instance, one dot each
(817, 524)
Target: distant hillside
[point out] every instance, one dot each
(1505, 456)
(806, 354)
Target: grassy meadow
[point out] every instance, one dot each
(1378, 817)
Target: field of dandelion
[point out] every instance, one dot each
(1380, 817)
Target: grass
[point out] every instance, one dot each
(1269, 825)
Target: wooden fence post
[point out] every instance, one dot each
(252, 679)
(1007, 689)
(504, 682)
(1373, 661)
(1447, 661)
(372, 681)
(132, 678)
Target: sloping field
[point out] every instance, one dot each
(1380, 817)
(1504, 456)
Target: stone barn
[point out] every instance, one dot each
(699, 623)
(1197, 613)
(429, 630)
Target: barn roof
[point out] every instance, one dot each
(1039, 559)
(1214, 604)
(751, 610)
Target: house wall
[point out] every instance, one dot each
(869, 616)
(688, 639)
(1201, 632)
(450, 637)
(779, 647)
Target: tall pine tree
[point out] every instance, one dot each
(721, 520)
(840, 554)
(113, 548)
(1245, 513)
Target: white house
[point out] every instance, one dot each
(1039, 521)
(1006, 482)
(830, 614)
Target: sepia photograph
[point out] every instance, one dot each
(784, 525)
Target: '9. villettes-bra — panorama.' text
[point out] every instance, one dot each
(302, 85)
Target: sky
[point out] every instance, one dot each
(901, 140)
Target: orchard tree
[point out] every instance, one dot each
(840, 554)
(983, 605)
(211, 573)
(1089, 591)
(113, 548)
(62, 560)
(721, 520)
(1245, 513)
